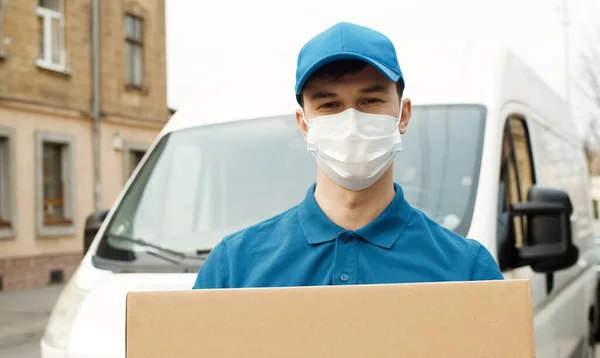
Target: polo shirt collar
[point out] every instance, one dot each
(383, 231)
(389, 225)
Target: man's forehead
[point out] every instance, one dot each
(319, 92)
(327, 88)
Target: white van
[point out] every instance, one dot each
(488, 141)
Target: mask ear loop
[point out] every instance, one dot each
(304, 118)
(399, 119)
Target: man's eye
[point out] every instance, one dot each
(371, 100)
(329, 105)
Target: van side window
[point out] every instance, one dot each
(520, 139)
(516, 176)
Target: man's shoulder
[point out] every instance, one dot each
(445, 237)
(470, 254)
(264, 229)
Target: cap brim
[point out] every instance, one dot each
(387, 72)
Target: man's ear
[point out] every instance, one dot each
(405, 115)
(300, 122)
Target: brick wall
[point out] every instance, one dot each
(150, 102)
(20, 76)
(27, 272)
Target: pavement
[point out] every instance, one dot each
(23, 318)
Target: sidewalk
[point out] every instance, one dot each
(24, 314)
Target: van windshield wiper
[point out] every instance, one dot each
(145, 243)
(198, 255)
(203, 252)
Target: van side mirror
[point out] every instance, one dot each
(92, 225)
(548, 243)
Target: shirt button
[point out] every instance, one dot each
(344, 277)
(346, 237)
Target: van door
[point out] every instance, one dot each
(572, 288)
(517, 175)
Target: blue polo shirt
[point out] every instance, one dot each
(302, 247)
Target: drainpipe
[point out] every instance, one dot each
(96, 100)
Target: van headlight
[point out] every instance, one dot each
(61, 320)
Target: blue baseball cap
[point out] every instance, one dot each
(347, 41)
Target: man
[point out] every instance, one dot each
(354, 225)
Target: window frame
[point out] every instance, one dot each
(521, 118)
(127, 149)
(68, 228)
(529, 151)
(134, 42)
(8, 163)
(47, 15)
(513, 161)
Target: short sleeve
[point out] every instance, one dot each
(485, 267)
(214, 272)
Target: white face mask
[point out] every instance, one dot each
(354, 149)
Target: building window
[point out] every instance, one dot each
(51, 34)
(55, 185)
(134, 153)
(7, 199)
(54, 181)
(134, 50)
(135, 157)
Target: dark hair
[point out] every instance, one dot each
(341, 68)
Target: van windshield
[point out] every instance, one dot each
(203, 183)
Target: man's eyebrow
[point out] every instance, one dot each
(323, 95)
(373, 89)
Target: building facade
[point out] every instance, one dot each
(50, 93)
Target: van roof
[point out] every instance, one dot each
(449, 73)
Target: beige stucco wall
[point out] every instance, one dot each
(25, 123)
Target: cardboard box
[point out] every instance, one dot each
(462, 319)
